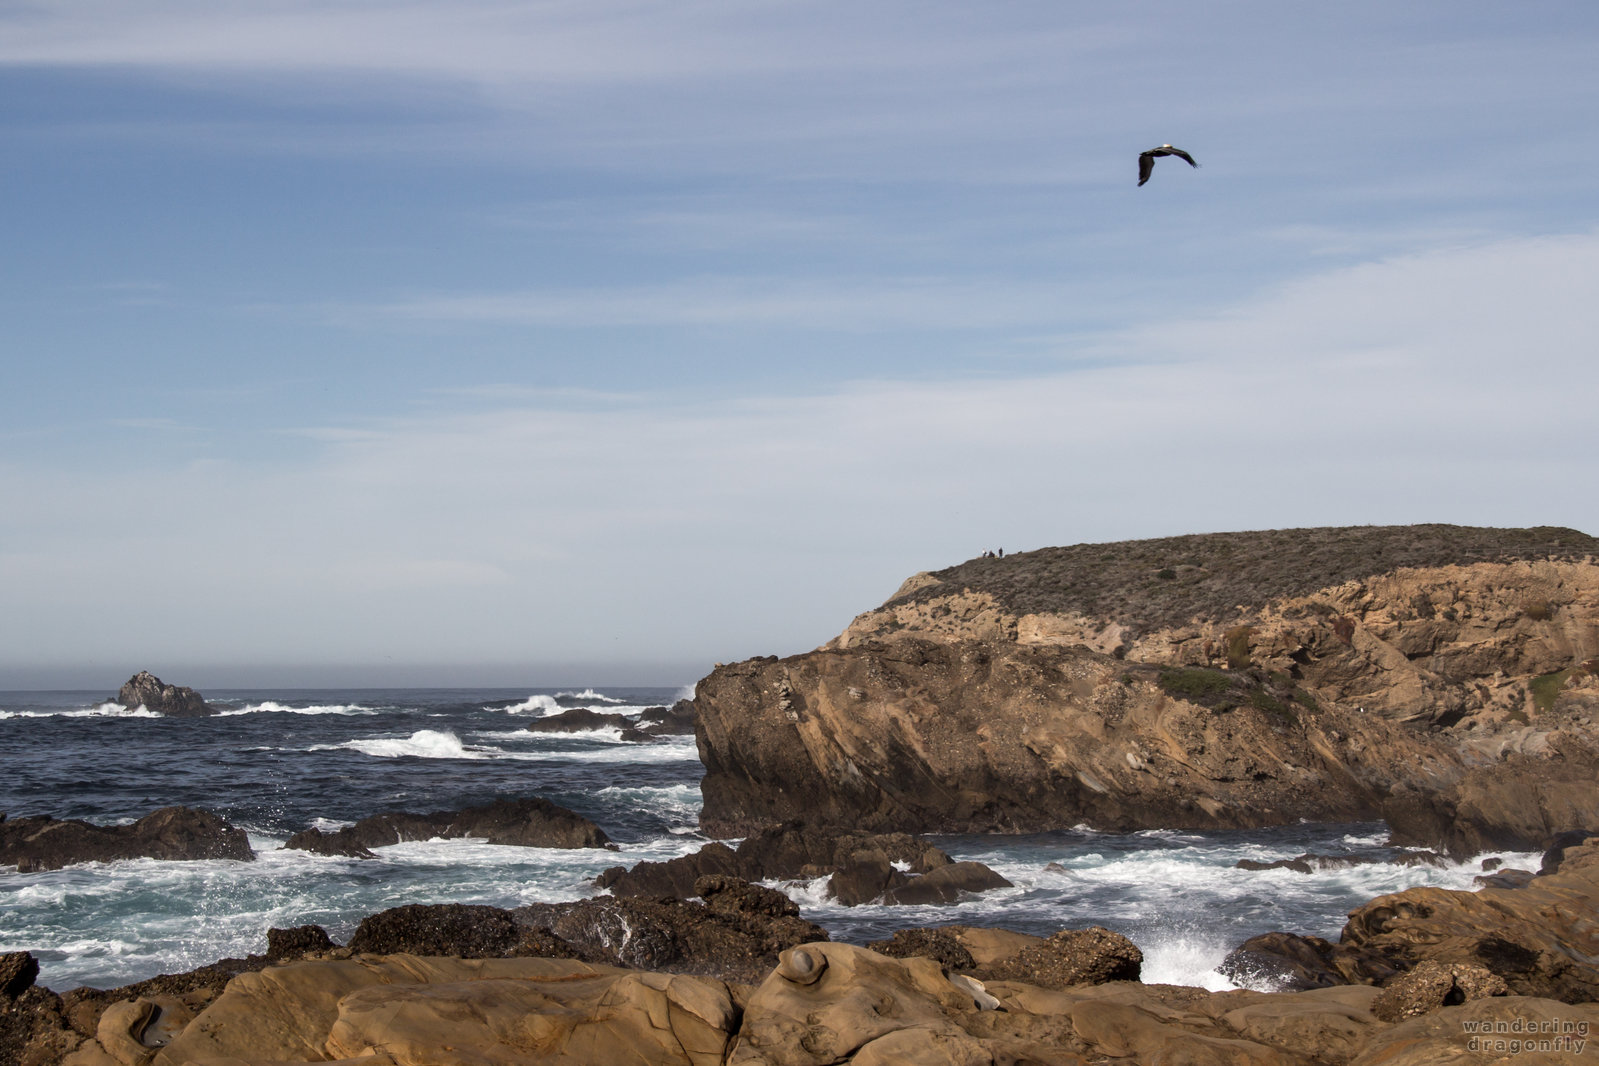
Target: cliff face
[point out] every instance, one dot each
(1224, 680)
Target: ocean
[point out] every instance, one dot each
(276, 762)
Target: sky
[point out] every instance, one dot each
(546, 343)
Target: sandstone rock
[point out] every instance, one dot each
(1505, 879)
(584, 720)
(1541, 939)
(1517, 803)
(1432, 985)
(1065, 686)
(40, 842)
(1486, 1032)
(976, 737)
(444, 1012)
(529, 823)
(828, 1002)
(146, 690)
(1556, 853)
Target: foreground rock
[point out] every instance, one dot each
(860, 867)
(1439, 676)
(146, 690)
(821, 1004)
(1541, 940)
(528, 823)
(40, 842)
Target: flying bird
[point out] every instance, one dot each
(1146, 160)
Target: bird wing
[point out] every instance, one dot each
(1184, 156)
(1146, 166)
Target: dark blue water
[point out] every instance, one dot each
(276, 762)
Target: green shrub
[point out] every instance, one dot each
(1546, 689)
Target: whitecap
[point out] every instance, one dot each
(101, 710)
(273, 707)
(423, 744)
(587, 694)
(541, 705)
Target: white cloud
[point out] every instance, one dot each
(1451, 386)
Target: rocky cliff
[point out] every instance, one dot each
(1220, 680)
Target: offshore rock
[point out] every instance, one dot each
(674, 721)
(528, 823)
(584, 720)
(40, 842)
(146, 690)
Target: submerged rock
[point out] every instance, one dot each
(530, 823)
(584, 720)
(860, 867)
(40, 842)
(146, 690)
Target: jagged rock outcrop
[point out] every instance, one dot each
(146, 690)
(40, 842)
(1426, 623)
(1541, 940)
(736, 933)
(674, 721)
(861, 867)
(1442, 676)
(528, 823)
(978, 737)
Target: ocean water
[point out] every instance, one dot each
(276, 762)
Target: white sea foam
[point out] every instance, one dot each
(102, 710)
(587, 694)
(678, 802)
(540, 705)
(423, 744)
(1185, 958)
(273, 707)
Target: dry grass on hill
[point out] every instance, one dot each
(1150, 584)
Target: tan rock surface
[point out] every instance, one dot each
(419, 1011)
(1542, 940)
(1210, 681)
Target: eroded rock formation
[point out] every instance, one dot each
(146, 690)
(1444, 677)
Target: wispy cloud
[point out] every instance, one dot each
(1440, 387)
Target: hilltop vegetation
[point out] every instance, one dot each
(1168, 581)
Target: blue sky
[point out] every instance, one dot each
(540, 343)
